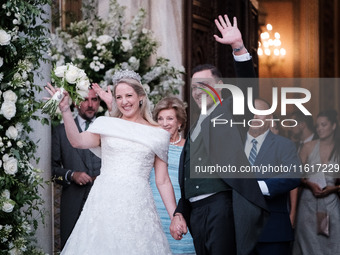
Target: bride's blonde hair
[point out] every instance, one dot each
(144, 106)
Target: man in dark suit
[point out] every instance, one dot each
(75, 169)
(263, 148)
(224, 215)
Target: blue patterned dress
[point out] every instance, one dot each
(186, 245)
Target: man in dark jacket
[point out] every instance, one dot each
(224, 215)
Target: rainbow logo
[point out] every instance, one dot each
(209, 93)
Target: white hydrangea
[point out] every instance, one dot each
(126, 45)
(165, 85)
(103, 39)
(134, 63)
(181, 69)
(146, 88)
(125, 66)
(96, 65)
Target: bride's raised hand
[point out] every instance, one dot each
(59, 93)
(106, 96)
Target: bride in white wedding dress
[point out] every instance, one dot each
(119, 216)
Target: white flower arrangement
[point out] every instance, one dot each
(5, 38)
(8, 109)
(6, 203)
(12, 133)
(101, 47)
(7, 206)
(6, 194)
(22, 44)
(10, 166)
(70, 78)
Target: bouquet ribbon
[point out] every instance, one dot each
(50, 107)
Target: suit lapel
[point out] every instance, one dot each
(205, 132)
(78, 125)
(205, 127)
(85, 155)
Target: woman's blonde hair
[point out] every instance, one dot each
(144, 104)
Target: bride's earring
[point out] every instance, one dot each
(140, 103)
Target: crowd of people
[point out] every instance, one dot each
(128, 183)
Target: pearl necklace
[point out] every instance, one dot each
(176, 142)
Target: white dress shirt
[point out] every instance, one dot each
(247, 149)
(82, 122)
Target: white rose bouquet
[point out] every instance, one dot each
(70, 78)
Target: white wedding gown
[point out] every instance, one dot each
(119, 216)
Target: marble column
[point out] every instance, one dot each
(42, 137)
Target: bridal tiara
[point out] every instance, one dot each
(125, 74)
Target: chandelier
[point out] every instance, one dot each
(269, 49)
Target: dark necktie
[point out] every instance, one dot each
(253, 152)
(87, 124)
